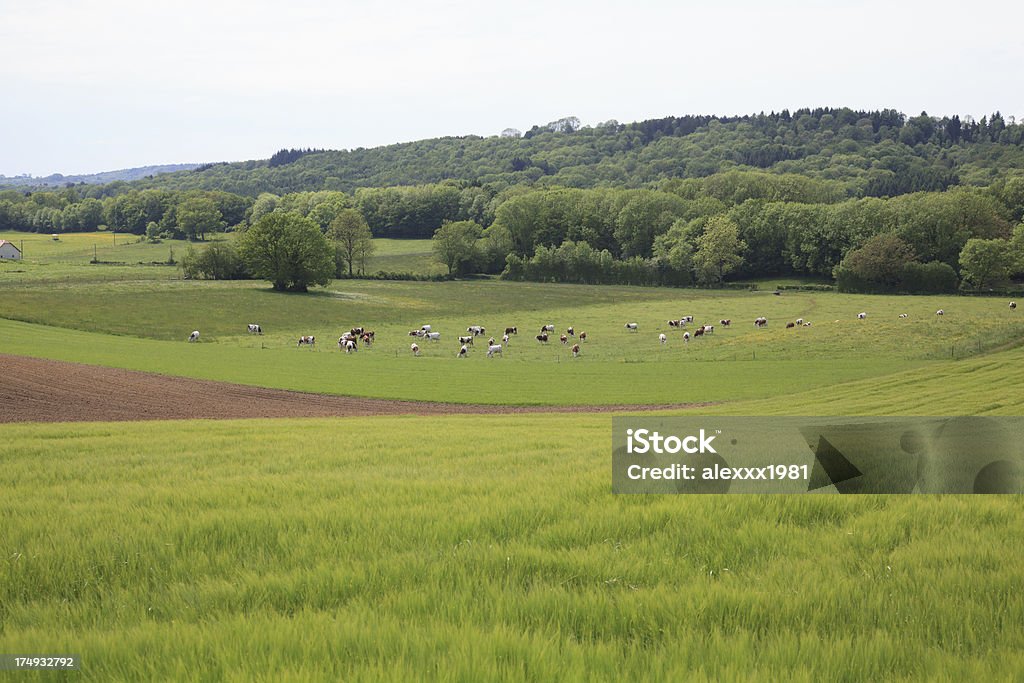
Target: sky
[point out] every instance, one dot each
(98, 85)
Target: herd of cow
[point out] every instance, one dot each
(349, 341)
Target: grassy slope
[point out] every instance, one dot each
(555, 381)
(404, 256)
(616, 366)
(149, 549)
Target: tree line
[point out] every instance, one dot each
(784, 224)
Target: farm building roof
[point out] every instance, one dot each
(3, 242)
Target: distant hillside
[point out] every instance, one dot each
(125, 175)
(871, 153)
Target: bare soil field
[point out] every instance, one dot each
(40, 390)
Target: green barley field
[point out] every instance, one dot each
(487, 548)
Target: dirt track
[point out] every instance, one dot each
(38, 390)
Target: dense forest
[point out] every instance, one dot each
(667, 201)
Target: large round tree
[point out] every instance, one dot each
(288, 250)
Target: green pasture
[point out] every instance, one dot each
(80, 248)
(126, 257)
(143, 325)
(404, 256)
(476, 548)
(553, 380)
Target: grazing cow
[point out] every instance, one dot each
(862, 316)
(463, 352)
(686, 337)
(476, 330)
(686, 319)
(940, 312)
(490, 342)
(493, 349)
(725, 323)
(761, 322)
(699, 332)
(547, 328)
(542, 338)
(571, 332)
(708, 329)
(799, 322)
(789, 325)
(194, 336)
(357, 331)
(350, 346)
(416, 333)
(674, 323)
(309, 340)
(662, 338)
(1013, 305)
(583, 336)
(511, 330)
(433, 336)
(425, 328)
(367, 338)
(343, 340)
(575, 350)
(255, 329)
(504, 340)
(807, 324)
(466, 340)
(563, 339)
(415, 348)
(904, 315)
(632, 327)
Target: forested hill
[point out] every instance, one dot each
(58, 180)
(879, 153)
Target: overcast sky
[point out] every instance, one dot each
(100, 85)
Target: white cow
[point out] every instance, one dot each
(940, 312)
(475, 330)
(632, 327)
(425, 328)
(415, 348)
(904, 315)
(433, 336)
(350, 346)
(862, 316)
(662, 338)
(255, 329)
(493, 349)
(1013, 305)
(504, 340)
(463, 352)
(194, 336)
(686, 337)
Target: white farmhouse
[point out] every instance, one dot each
(9, 251)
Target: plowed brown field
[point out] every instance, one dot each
(39, 390)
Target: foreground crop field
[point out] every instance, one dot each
(276, 551)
